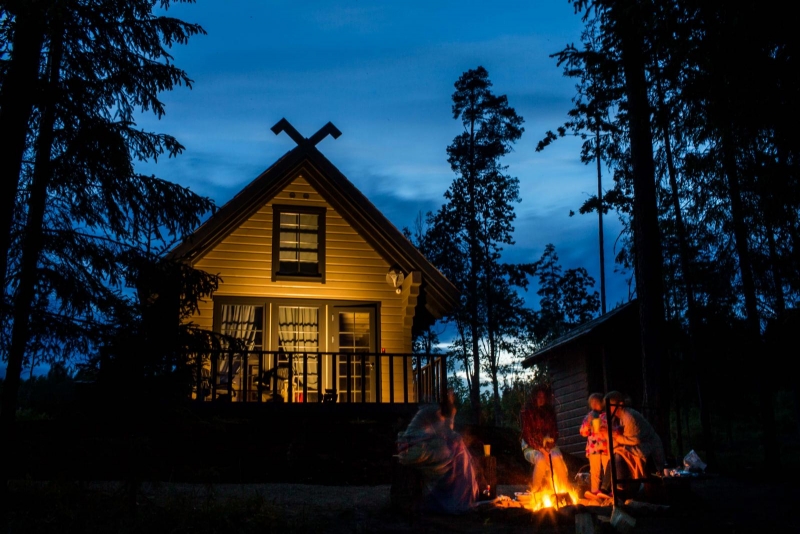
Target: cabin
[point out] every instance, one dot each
(601, 355)
(320, 290)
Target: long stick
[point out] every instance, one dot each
(613, 463)
(553, 477)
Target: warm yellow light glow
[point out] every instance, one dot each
(540, 500)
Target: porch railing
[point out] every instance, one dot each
(318, 377)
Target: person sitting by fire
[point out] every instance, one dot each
(635, 441)
(539, 437)
(431, 445)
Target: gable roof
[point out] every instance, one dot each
(439, 294)
(595, 326)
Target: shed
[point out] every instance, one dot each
(601, 355)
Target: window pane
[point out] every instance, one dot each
(298, 328)
(299, 243)
(309, 240)
(308, 221)
(288, 220)
(243, 322)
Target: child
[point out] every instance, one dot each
(595, 429)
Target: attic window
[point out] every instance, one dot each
(298, 243)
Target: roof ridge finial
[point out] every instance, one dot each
(284, 126)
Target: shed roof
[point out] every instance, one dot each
(578, 333)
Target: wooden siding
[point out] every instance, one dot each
(570, 388)
(354, 272)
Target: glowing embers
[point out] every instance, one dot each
(545, 498)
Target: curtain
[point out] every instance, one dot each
(238, 321)
(298, 331)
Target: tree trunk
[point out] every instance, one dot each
(685, 258)
(16, 103)
(491, 333)
(600, 224)
(31, 248)
(472, 284)
(629, 21)
(763, 384)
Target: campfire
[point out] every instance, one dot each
(546, 498)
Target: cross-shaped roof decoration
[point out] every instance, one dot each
(284, 126)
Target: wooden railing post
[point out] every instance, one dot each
(305, 376)
(290, 379)
(230, 375)
(419, 378)
(391, 379)
(349, 378)
(245, 389)
(214, 362)
(442, 378)
(274, 374)
(405, 378)
(363, 377)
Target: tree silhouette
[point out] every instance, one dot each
(468, 232)
(81, 212)
(566, 299)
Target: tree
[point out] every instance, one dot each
(623, 25)
(565, 300)
(86, 213)
(708, 112)
(16, 106)
(476, 220)
(598, 92)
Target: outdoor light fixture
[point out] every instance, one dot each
(395, 278)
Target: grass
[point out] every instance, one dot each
(46, 507)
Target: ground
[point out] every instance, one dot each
(713, 505)
(326, 475)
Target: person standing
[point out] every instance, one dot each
(595, 429)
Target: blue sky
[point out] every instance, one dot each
(383, 73)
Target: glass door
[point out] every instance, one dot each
(237, 372)
(299, 334)
(355, 364)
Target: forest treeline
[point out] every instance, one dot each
(691, 105)
(83, 234)
(690, 108)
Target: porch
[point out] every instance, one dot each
(302, 378)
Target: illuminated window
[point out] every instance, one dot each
(298, 245)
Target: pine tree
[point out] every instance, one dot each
(477, 218)
(86, 214)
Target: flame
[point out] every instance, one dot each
(543, 498)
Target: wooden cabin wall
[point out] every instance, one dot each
(569, 378)
(354, 272)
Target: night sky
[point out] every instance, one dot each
(383, 73)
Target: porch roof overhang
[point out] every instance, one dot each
(439, 295)
(581, 333)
